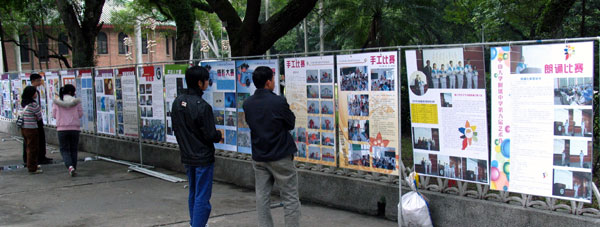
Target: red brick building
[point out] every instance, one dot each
(110, 47)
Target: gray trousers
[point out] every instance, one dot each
(283, 173)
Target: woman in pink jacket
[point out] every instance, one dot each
(67, 111)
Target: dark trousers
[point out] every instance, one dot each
(41, 154)
(32, 137)
(200, 182)
(68, 141)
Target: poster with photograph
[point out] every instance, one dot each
(67, 77)
(174, 86)
(448, 113)
(309, 92)
(18, 83)
(368, 111)
(221, 84)
(105, 101)
(245, 88)
(126, 102)
(542, 119)
(152, 103)
(52, 86)
(5, 91)
(85, 92)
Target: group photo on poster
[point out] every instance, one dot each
(551, 130)
(309, 91)
(368, 105)
(220, 94)
(448, 108)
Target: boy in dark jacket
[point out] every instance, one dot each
(194, 127)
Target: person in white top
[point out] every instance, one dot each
(469, 74)
(435, 76)
(581, 158)
(442, 75)
(459, 71)
(475, 77)
(451, 75)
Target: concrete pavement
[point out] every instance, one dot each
(106, 194)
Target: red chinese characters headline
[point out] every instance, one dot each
(295, 63)
(500, 87)
(383, 60)
(563, 68)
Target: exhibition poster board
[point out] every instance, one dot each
(448, 113)
(221, 84)
(126, 102)
(6, 98)
(152, 102)
(105, 101)
(174, 86)
(542, 119)
(368, 111)
(245, 88)
(85, 92)
(310, 94)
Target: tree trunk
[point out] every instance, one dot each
(184, 17)
(4, 60)
(82, 32)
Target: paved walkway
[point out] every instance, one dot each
(106, 194)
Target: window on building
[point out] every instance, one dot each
(123, 49)
(167, 42)
(24, 48)
(102, 43)
(173, 46)
(144, 45)
(43, 49)
(62, 44)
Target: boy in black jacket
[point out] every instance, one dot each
(194, 127)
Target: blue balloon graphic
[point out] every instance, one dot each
(506, 48)
(493, 53)
(495, 163)
(505, 148)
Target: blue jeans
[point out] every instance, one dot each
(68, 141)
(201, 180)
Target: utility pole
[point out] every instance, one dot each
(321, 43)
(266, 19)
(305, 36)
(18, 52)
(138, 43)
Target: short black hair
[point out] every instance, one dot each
(34, 76)
(244, 65)
(260, 76)
(195, 74)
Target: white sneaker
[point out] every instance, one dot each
(71, 171)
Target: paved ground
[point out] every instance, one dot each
(105, 194)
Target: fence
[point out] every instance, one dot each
(13, 80)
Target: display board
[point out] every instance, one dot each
(5, 109)
(368, 111)
(152, 103)
(220, 85)
(17, 85)
(542, 119)
(309, 91)
(85, 92)
(174, 86)
(126, 102)
(448, 113)
(105, 101)
(245, 88)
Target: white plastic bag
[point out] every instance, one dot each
(415, 211)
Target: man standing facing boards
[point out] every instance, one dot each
(194, 126)
(270, 119)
